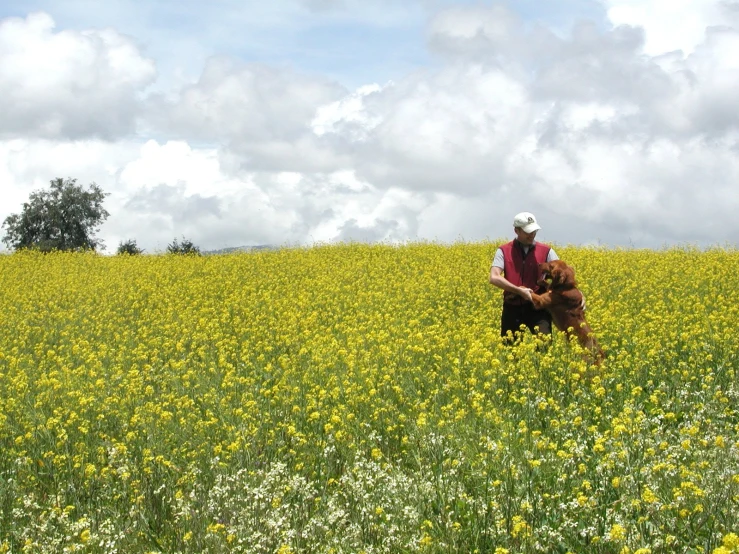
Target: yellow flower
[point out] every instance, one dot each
(731, 541)
(617, 532)
(648, 497)
(215, 528)
(519, 527)
(126, 375)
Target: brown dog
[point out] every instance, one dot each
(564, 301)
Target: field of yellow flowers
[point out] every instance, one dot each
(355, 398)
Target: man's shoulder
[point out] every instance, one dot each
(499, 259)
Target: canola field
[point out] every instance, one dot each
(355, 398)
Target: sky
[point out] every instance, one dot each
(295, 122)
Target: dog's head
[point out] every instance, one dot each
(557, 274)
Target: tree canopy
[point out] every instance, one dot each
(64, 217)
(129, 247)
(184, 247)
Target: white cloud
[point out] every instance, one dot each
(29, 164)
(593, 131)
(172, 163)
(233, 101)
(497, 25)
(262, 116)
(347, 116)
(445, 131)
(670, 24)
(68, 84)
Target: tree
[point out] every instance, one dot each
(64, 217)
(129, 247)
(184, 247)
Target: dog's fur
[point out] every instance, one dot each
(563, 301)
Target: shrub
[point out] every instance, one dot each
(129, 247)
(184, 247)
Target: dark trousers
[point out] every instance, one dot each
(516, 315)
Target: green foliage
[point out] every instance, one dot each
(64, 217)
(184, 247)
(129, 247)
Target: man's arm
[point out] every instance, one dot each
(497, 279)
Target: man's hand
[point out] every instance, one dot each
(525, 293)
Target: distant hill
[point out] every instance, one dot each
(233, 249)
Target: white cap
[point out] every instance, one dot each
(526, 222)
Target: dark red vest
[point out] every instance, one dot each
(523, 270)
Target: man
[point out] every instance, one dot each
(515, 269)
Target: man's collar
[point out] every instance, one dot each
(521, 246)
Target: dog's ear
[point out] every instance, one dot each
(568, 275)
(556, 273)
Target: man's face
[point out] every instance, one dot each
(527, 239)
